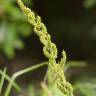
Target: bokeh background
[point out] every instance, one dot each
(72, 25)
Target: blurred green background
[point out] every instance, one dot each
(72, 25)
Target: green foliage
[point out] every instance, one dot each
(74, 64)
(11, 36)
(2, 80)
(86, 87)
(89, 3)
(11, 80)
(55, 83)
(4, 77)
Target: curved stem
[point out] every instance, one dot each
(17, 74)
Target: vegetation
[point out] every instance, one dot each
(14, 28)
(11, 35)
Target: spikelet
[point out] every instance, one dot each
(55, 70)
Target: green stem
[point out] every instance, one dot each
(9, 80)
(2, 80)
(17, 74)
